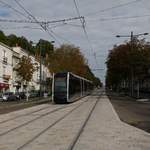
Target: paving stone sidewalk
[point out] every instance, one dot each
(105, 131)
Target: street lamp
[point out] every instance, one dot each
(41, 67)
(135, 35)
(40, 55)
(132, 75)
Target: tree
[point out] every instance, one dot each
(65, 58)
(3, 37)
(24, 70)
(12, 40)
(90, 76)
(128, 62)
(68, 58)
(45, 47)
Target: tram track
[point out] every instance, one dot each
(60, 119)
(50, 126)
(19, 116)
(77, 136)
(37, 118)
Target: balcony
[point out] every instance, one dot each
(5, 60)
(6, 77)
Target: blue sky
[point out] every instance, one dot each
(101, 33)
(4, 12)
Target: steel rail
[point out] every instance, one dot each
(51, 125)
(13, 118)
(37, 118)
(77, 136)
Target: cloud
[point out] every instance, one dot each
(101, 34)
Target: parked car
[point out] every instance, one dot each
(1, 96)
(21, 95)
(9, 96)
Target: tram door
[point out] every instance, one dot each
(60, 89)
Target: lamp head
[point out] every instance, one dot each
(117, 36)
(145, 33)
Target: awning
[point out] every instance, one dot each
(4, 85)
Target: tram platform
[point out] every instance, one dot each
(105, 131)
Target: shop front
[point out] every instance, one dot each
(4, 87)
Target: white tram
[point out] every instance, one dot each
(68, 87)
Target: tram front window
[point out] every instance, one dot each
(60, 85)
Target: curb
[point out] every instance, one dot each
(113, 110)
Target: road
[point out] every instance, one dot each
(88, 124)
(136, 113)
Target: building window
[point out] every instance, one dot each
(4, 57)
(4, 69)
(4, 53)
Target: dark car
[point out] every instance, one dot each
(21, 95)
(9, 96)
(1, 96)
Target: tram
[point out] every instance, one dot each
(68, 87)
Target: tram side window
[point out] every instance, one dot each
(85, 86)
(74, 86)
(60, 85)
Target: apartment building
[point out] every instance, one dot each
(9, 80)
(5, 67)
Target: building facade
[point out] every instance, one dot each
(5, 67)
(9, 80)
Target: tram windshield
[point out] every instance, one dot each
(60, 85)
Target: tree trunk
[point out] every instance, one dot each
(27, 90)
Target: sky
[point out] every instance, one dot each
(104, 19)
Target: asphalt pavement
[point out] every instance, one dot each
(132, 111)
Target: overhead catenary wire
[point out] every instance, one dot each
(113, 7)
(60, 37)
(20, 27)
(43, 25)
(85, 32)
(124, 17)
(14, 9)
(41, 22)
(38, 28)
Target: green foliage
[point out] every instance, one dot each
(127, 60)
(13, 40)
(91, 76)
(25, 69)
(2, 37)
(68, 58)
(45, 46)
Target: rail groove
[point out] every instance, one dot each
(37, 118)
(13, 118)
(50, 126)
(75, 139)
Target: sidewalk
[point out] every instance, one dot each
(6, 107)
(105, 131)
